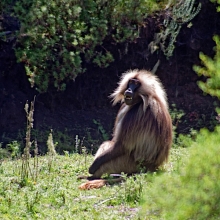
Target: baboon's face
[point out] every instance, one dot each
(131, 94)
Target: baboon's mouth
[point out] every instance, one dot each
(128, 97)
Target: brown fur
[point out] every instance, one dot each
(142, 134)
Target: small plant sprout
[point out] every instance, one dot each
(51, 150)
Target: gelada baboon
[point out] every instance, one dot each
(142, 134)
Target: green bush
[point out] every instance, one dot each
(3, 4)
(193, 192)
(57, 36)
(211, 70)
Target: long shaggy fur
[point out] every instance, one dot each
(146, 128)
(142, 134)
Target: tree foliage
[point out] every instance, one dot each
(57, 36)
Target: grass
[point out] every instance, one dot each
(55, 194)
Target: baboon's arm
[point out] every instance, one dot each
(113, 152)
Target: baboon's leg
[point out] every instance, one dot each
(121, 164)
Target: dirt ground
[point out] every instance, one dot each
(84, 110)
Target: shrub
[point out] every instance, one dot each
(3, 4)
(193, 192)
(211, 70)
(181, 13)
(57, 36)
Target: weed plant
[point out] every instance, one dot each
(26, 170)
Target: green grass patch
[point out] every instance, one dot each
(53, 192)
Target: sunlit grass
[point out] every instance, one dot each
(55, 193)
